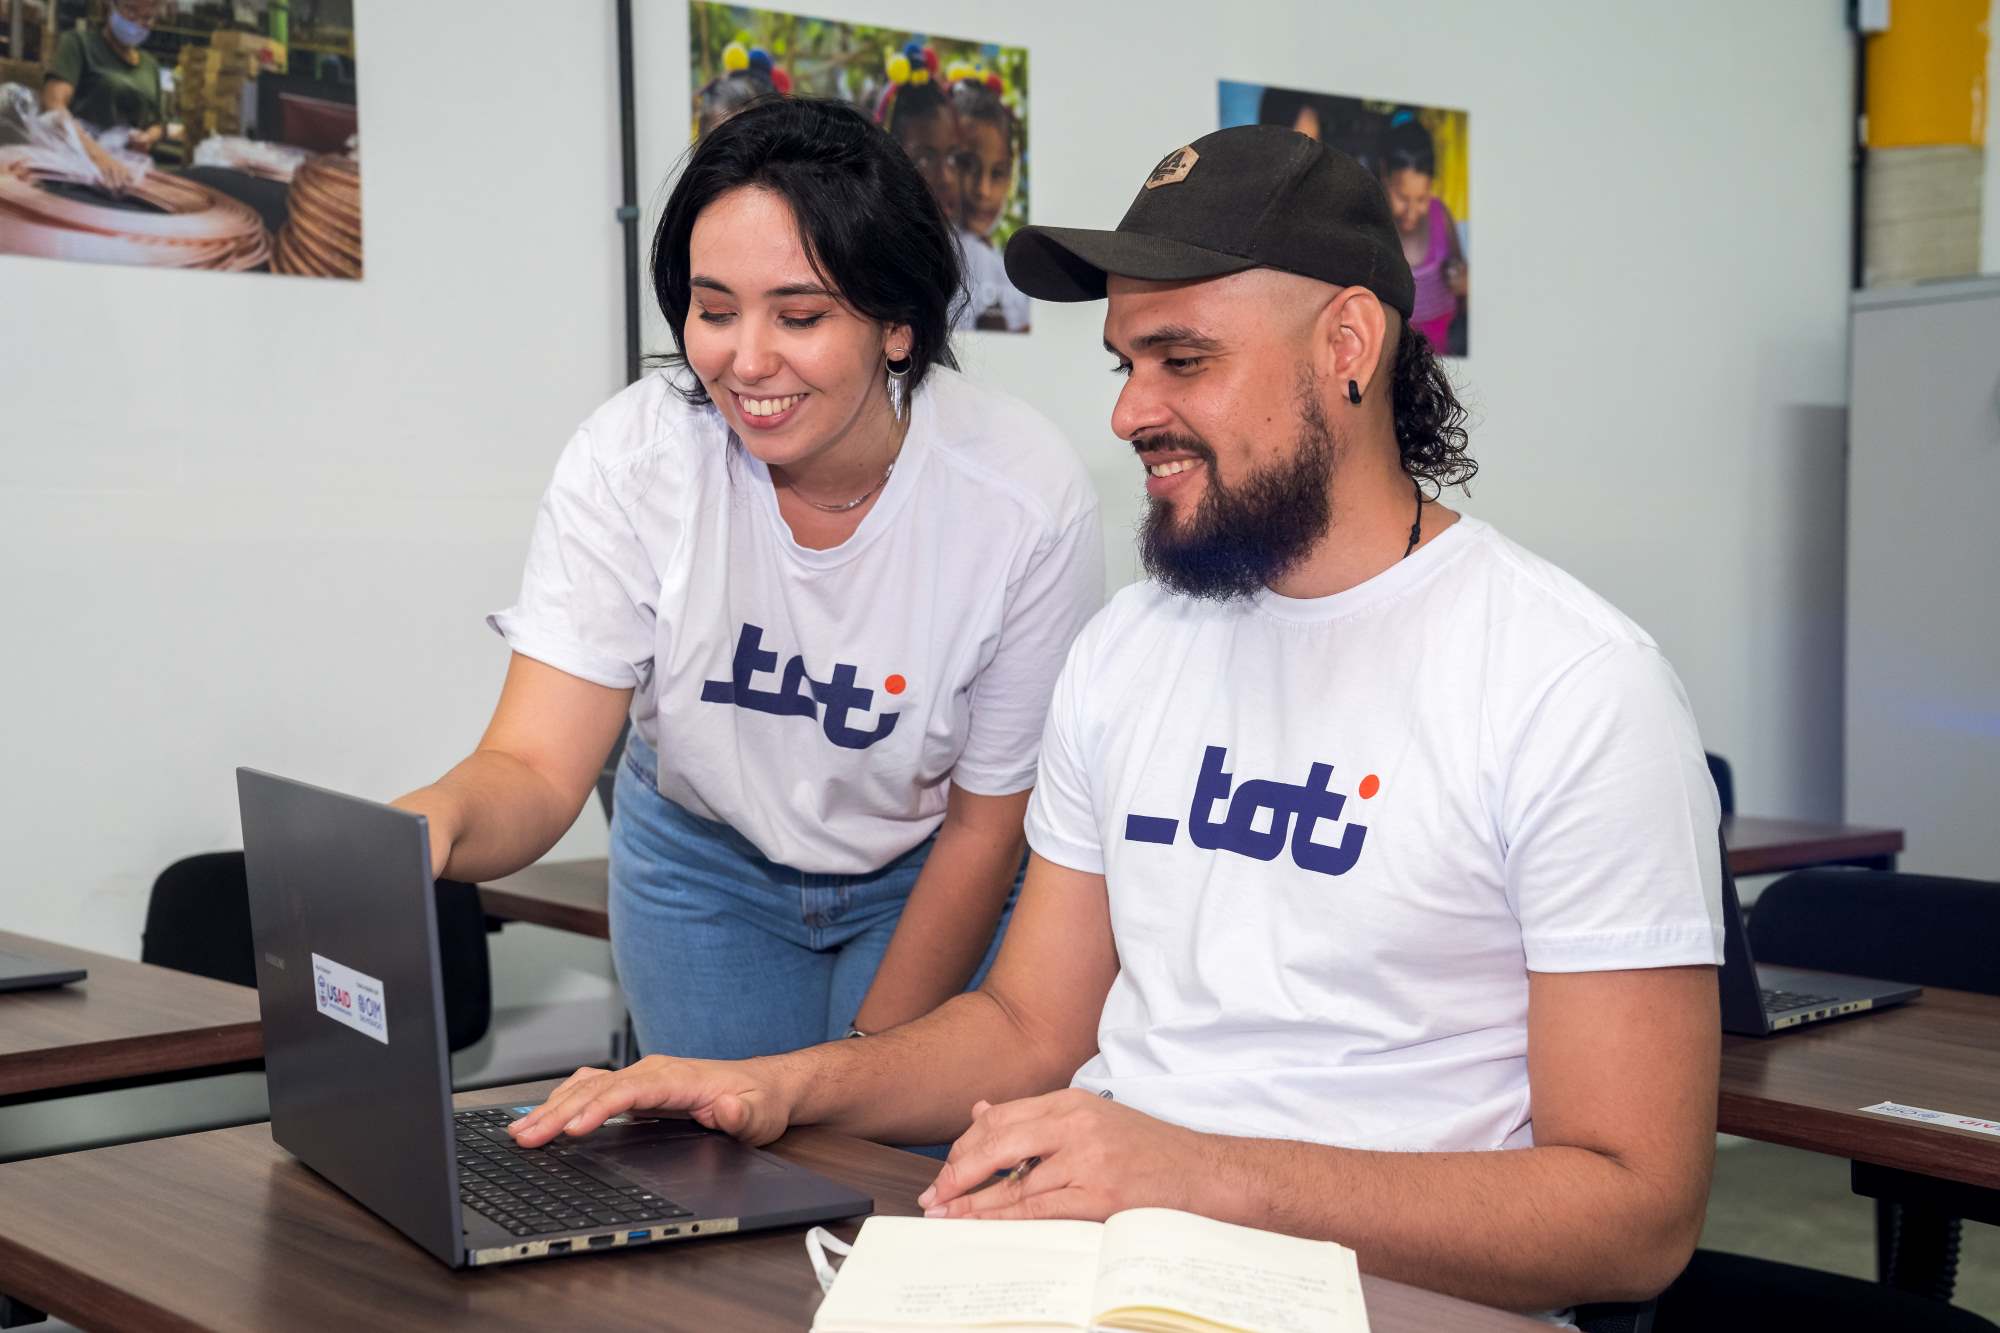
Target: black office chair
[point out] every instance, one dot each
(1725, 782)
(1927, 929)
(198, 920)
(1733, 1293)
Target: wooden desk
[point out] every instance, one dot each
(572, 895)
(1769, 846)
(562, 895)
(1804, 1088)
(125, 1020)
(227, 1231)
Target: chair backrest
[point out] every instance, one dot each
(198, 920)
(1725, 781)
(1928, 930)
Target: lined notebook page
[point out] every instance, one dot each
(1159, 1259)
(915, 1272)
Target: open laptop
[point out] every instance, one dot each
(343, 918)
(20, 972)
(1759, 999)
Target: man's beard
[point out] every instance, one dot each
(1244, 537)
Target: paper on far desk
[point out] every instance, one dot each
(1927, 1117)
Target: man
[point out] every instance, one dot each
(1354, 827)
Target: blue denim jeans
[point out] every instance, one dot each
(723, 954)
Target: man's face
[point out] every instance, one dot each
(1221, 404)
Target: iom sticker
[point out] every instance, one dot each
(351, 998)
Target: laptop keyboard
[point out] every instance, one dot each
(534, 1190)
(1778, 1001)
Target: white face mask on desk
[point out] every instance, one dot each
(818, 1241)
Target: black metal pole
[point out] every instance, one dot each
(628, 207)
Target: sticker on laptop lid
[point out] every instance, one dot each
(1966, 1122)
(352, 999)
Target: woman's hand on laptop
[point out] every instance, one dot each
(728, 1095)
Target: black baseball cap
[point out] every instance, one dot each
(1255, 196)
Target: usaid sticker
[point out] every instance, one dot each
(351, 998)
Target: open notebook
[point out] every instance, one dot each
(1149, 1270)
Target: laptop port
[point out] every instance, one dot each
(597, 1241)
(670, 1231)
(639, 1235)
(558, 1247)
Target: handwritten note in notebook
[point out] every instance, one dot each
(1149, 1270)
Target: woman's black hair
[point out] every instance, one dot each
(870, 227)
(1407, 146)
(1430, 421)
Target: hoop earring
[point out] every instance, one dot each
(899, 373)
(1354, 393)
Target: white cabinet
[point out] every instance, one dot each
(1922, 744)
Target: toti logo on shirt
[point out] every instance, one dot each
(799, 695)
(1296, 813)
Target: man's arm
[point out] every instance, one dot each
(1024, 1032)
(1605, 1206)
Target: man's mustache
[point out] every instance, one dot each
(1184, 444)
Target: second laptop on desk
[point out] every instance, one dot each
(345, 931)
(1759, 999)
(20, 972)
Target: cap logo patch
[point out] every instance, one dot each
(1173, 168)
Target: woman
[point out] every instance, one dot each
(831, 579)
(103, 78)
(1430, 237)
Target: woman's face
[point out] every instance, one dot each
(986, 168)
(1409, 199)
(792, 369)
(930, 141)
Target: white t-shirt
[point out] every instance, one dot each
(818, 701)
(987, 285)
(1338, 833)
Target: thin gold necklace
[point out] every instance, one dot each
(846, 505)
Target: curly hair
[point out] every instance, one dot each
(1430, 421)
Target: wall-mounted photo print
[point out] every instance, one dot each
(959, 107)
(182, 134)
(1419, 153)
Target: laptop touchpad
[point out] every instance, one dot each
(677, 1166)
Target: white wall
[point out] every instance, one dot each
(1660, 202)
(255, 520)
